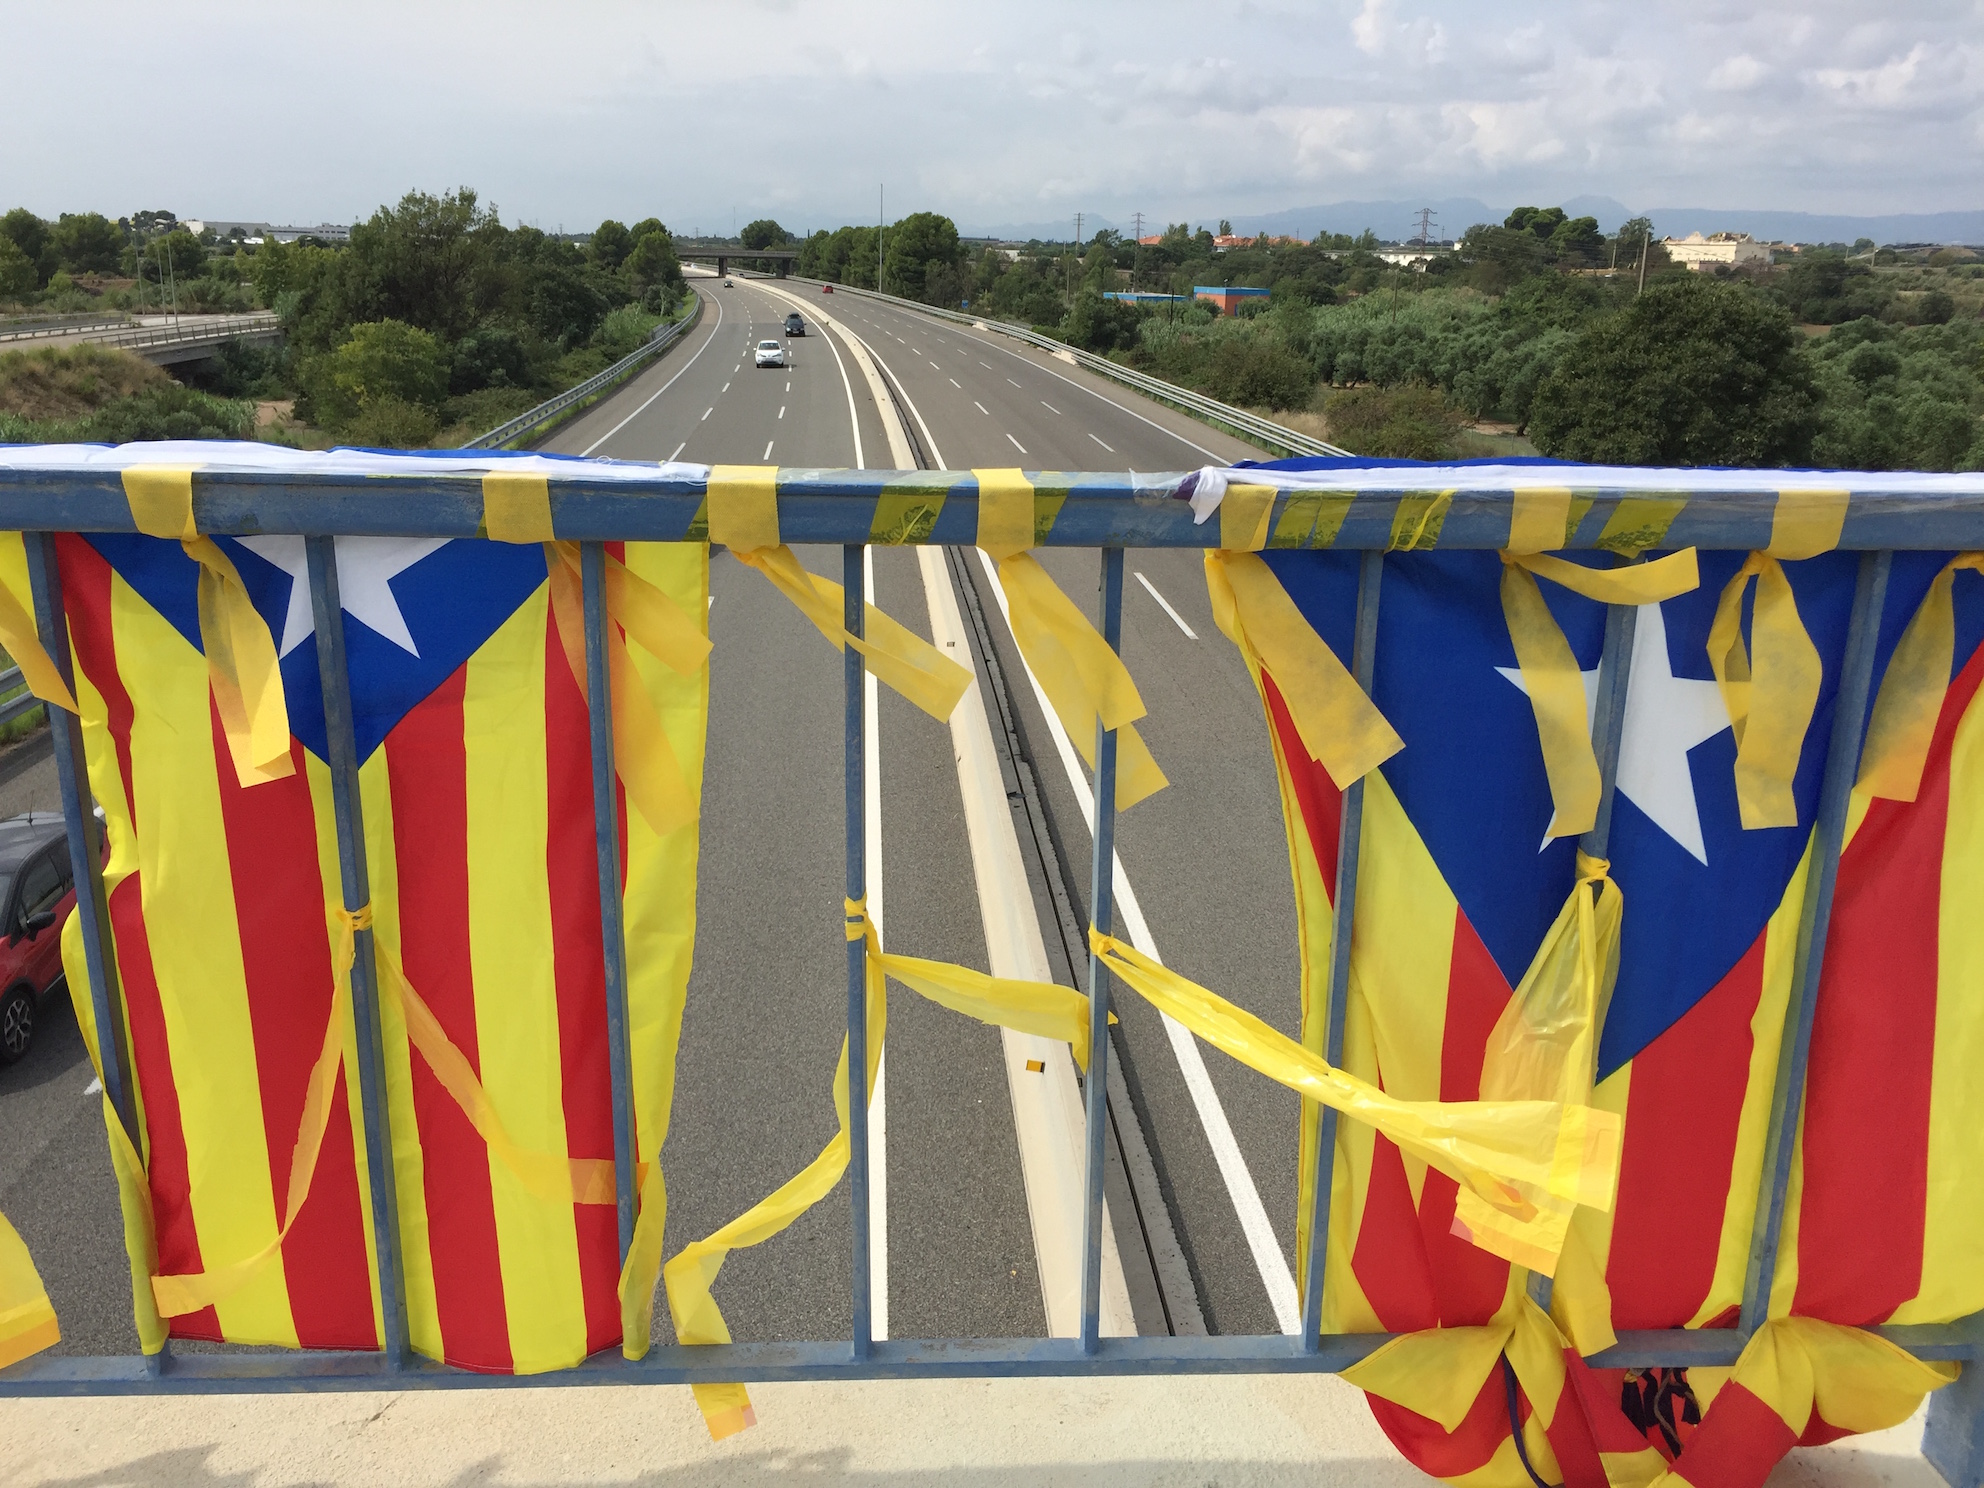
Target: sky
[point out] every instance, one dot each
(999, 115)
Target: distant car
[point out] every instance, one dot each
(771, 354)
(37, 891)
(794, 325)
(826, 289)
(726, 284)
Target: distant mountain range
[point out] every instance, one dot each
(1452, 216)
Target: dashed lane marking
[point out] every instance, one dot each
(1110, 448)
(1017, 445)
(1177, 619)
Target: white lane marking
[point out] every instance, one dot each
(706, 413)
(981, 408)
(1177, 618)
(1017, 445)
(767, 454)
(95, 1087)
(1268, 1259)
(955, 383)
(781, 410)
(986, 365)
(878, 393)
(1050, 408)
(1047, 1106)
(929, 441)
(1110, 448)
(679, 448)
(934, 365)
(726, 388)
(878, 1103)
(788, 387)
(663, 388)
(1015, 384)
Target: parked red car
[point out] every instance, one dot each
(37, 891)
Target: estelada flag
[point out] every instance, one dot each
(1458, 885)
(476, 784)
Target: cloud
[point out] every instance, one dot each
(1029, 112)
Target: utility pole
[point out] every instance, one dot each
(881, 217)
(1425, 227)
(1137, 252)
(1646, 246)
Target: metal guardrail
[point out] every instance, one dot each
(38, 330)
(178, 332)
(547, 412)
(1276, 437)
(14, 707)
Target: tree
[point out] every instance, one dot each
(1225, 228)
(380, 360)
(653, 262)
(1538, 222)
(431, 262)
(87, 243)
(764, 233)
(1693, 372)
(17, 271)
(611, 243)
(913, 244)
(1577, 240)
(28, 233)
(179, 253)
(1413, 422)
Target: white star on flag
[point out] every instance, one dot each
(366, 566)
(1666, 716)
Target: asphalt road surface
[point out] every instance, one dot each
(1202, 1184)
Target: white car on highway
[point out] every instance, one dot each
(771, 354)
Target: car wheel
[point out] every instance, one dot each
(17, 1010)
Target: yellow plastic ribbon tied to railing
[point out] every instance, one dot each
(1503, 1151)
(1085, 681)
(1772, 687)
(743, 514)
(1911, 696)
(22, 641)
(27, 1321)
(1340, 727)
(517, 509)
(241, 654)
(1550, 672)
(1545, 1047)
(1042, 1008)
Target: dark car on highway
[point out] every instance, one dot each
(794, 326)
(37, 891)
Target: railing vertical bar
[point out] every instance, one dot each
(327, 611)
(612, 917)
(1856, 680)
(1608, 731)
(1102, 917)
(113, 1049)
(854, 761)
(1343, 917)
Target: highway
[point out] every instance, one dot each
(974, 1238)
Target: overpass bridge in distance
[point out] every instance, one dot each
(185, 338)
(723, 255)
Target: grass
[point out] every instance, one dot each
(59, 383)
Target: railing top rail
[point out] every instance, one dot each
(438, 494)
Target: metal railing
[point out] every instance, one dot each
(181, 332)
(38, 330)
(1277, 438)
(551, 410)
(1113, 512)
(22, 703)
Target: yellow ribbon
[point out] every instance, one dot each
(27, 1321)
(517, 509)
(1550, 671)
(1501, 1150)
(743, 515)
(1042, 1008)
(22, 640)
(1912, 692)
(1771, 709)
(242, 665)
(1544, 1047)
(1085, 681)
(1340, 727)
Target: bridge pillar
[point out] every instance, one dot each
(722, 266)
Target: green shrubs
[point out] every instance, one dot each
(1414, 422)
(383, 386)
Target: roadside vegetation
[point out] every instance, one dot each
(1536, 335)
(434, 323)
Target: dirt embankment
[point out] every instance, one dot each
(67, 382)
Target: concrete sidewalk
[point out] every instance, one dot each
(1267, 1431)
